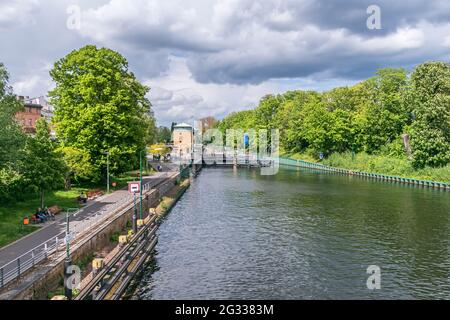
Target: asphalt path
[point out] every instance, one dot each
(101, 206)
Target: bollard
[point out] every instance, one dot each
(123, 240)
(130, 234)
(97, 265)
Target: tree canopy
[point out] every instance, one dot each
(101, 107)
(43, 166)
(12, 141)
(371, 116)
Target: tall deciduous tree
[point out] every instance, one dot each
(11, 137)
(163, 134)
(430, 105)
(78, 165)
(43, 166)
(383, 114)
(12, 141)
(101, 107)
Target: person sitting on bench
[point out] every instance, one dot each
(49, 214)
(82, 198)
(40, 216)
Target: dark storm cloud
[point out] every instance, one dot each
(230, 41)
(352, 14)
(247, 41)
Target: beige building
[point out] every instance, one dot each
(183, 140)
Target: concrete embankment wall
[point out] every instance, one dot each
(39, 281)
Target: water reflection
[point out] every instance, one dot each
(300, 235)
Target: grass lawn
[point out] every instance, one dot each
(11, 215)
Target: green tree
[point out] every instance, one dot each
(101, 107)
(382, 115)
(163, 134)
(11, 137)
(12, 141)
(78, 164)
(429, 102)
(42, 165)
(266, 112)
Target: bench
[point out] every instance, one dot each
(55, 210)
(92, 194)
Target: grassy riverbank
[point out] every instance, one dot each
(379, 164)
(12, 214)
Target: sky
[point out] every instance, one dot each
(209, 58)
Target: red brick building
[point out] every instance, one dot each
(29, 116)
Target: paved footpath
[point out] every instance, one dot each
(100, 206)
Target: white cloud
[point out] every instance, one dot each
(18, 13)
(245, 41)
(34, 81)
(211, 57)
(176, 96)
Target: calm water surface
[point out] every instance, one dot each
(300, 235)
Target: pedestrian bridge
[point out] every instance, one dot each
(225, 159)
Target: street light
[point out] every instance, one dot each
(67, 261)
(107, 172)
(140, 184)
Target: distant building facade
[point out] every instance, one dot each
(183, 140)
(29, 115)
(34, 109)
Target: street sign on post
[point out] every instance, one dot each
(133, 187)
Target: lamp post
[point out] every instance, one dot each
(67, 260)
(107, 172)
(140, 184)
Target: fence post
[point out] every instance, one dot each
(32, 258)
(45, 250)
(18, 267)
(1, 278)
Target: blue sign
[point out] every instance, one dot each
(246, 140)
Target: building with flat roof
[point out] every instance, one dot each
(183, 140)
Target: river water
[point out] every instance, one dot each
(300, 234)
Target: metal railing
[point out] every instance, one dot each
(20, 265)
(15, 268)
(376, 176)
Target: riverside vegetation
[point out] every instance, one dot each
(395, 123)
(100, 108)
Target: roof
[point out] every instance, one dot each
(33, 105)
(183, 125)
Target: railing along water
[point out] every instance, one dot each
(318, 166)
(18, 266)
